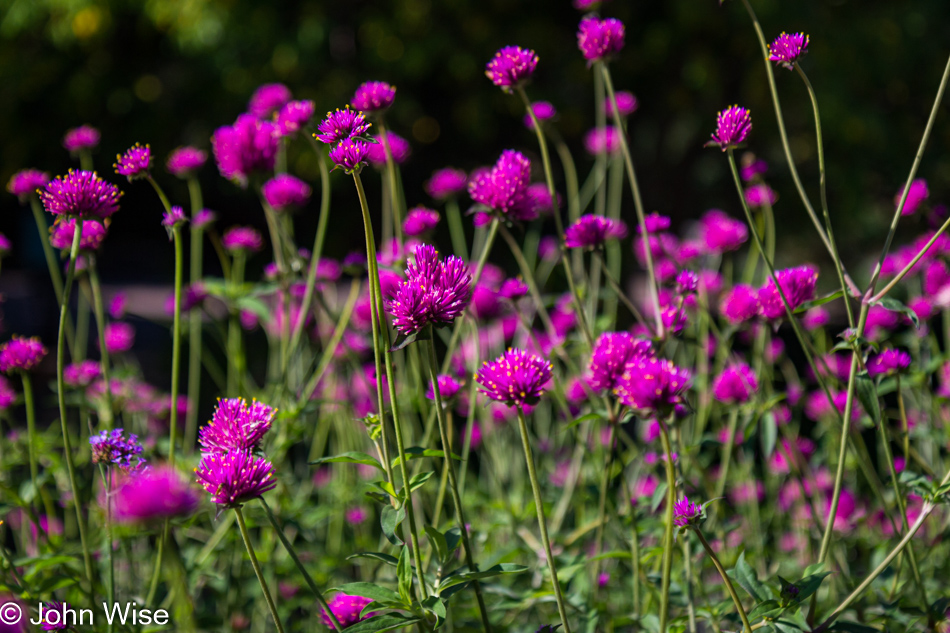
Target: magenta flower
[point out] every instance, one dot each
(112, 447)
(242, 238)
(759, 195)
(184, 162)
(787, 49)
(119, 337)
(448, 388)
(235, 477)
(626, 104)
(736, 384)
(80, 138)
(63, 229)
(340, 125)
(398, 147)
(602, 141)
(446, 183)
(284, 191)
(752, 167)
(610, 356)
(153, 495)
(516, 378)
(294, 116)
(798, 285)
(503, 188)
(652, 385)
(686, 513)
(347, 610)
(435, 292)
(244, 148)
(740, 304)
(918, 193)
(373, 96)
(687, 282)
(173, 218)
(268, 99)
(543, 111)
(203, 218)
(513, 289)
(57, 616)
(235, 425)
(732, 127)
(511, 67)
(26, 182)
(21, 354)
(888, 363)
(419, 221)
(350, 154)
(81, 374)
(722, 233)
(134, 163)
(81, 193)
(600, 39)
(591, 231)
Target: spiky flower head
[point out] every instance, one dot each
(787, 49)
(448, 388)
(516, 378)
(21, 354)
(235, 477)
(64, 229)
(347, 610)
(591, 231)
(173, 218)
(80, 138)
(759, 195)
(235, 425)
(610, 356)
(340, 125)
(599, 39)
(398, 147)
(888, 363)
(686, 513)
(184, 162)
(740, 304)
(373, 96)
(503, 187)
(798, 286)
(732, 127)
(446, 183)
(652, 385)
(134, 163)
(420, 220)
(243, 238)
(114, 448)
(543, 111)
(81, 193)
(81, 374)
(511, 67)
(294, 116)
(435, 292)
(736, 384)
(155, 494)
(244, 148)
(284, 191)
(350, 154)
(25, 183)
(268, 99)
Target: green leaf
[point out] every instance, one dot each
(370, 590)
(889, 303)
(437, 540)
(810, 584)
(352, 457)
(435, 605)
(745, 576)
(389, 520)
(459, 577)
(767, 609)
(452, 538)
(867, 394)
(808, 305)
(787, 626)
(381, 623)
(769, 433)
(415, 452)
(403, 340)
(814, 568)
(386, 558)
(419, 480)
(584, 418)
(404, 576)
(852, 627)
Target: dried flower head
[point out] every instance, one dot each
(787, 49)
(81, 193)
(516, 378)
(732, 127)
(511, 67)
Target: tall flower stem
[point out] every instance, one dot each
(99, 311)
(668, 529)
(456, 231)
(31, 430)
(725, 579)
(257, 569)
(602, 501)
(52, 264)
(237, 365)
(283, 271)
(453, 479)
(621, 294)
(539, 507)
(391, 176)
(176, 345)
(727, 451)
(195, 348)
(110, 586)
(288, 546)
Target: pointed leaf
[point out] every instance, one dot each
(386, 558)
(889, 303)
(353, 457)
(389, 520)
(370, 590)
(404, 575)
(867, 394)
(745, 576)
(769, 433)
(437, 540)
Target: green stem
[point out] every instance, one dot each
(257, 569)
(109, 557)
(622, 295)
(668, 529)
(725, 578)
(53, 265)
(391, 175)
(727, 451)
(176, 345)
(31, 430)
(109, 412)
(194, 322)
(456, 230)
(910, 266)
(157, 566)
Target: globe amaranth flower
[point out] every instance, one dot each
(652, 385)
(513, 289)
(591, 231)
(284, 191)
(740, 304)
(242, 238)
(173, 218)
(448, 388)
(516, 378)
(184, 162)
(119, 337)
(112, 447)
(347, 610)
(63, 229)
(446, 183)
(888, 363)
(398, 147)
(80, 138)
(503, 187)
(340, 125)
(57, 616)
(915, 197)
(752, 167)
(787, 49)
(81, 374)
(420, 220)
(732, 127)
(21, 354)
(543, 111)
(736, 384)
(435, 292)
(686, 513)
(350, 154)
(235, 425)
(373, 96)
(134, 163)
(235, 477)
(244, 148)
(599, 39)
(511, 67)
(721, 233)
(798, 285)
(154, 494)
(25, 183)
(268, 99)
(294, 116)
(759, 195)
(627, 104)
(610, 356)
(203, 218)
(604, 140)
(687, 282)
(81, 193)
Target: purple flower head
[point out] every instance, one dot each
(602, 141)
(652, 385)
(26, 182)
(752, 167)
(173, 218)
(610, 356)
(81, 374)
(732, 127)
(511, 67)
(543, 110)
(236, 426)
(373, 96)
(798, 285)
(293, 116)
(504, 186)
(340, 125)
(235, 477)
(736, 384)
(435, 292)
(600, 39)
(5, 245)
(118, 305)
(350, 154)
(786, 49)
(516, 378)
(242, 238)
(347, 610)
(184, 162)
(80, 138)
(398, 147)
(112, 447)
(513, 289)
(815, 318)
(759, 195)
(284, 191)
(591, 231)
(268, 99)
(626, 104)
(81, 193)
(722, 233)
(134, 163)
(203, 218)
(63, 229)
(119, 337)
(420, 220)
(446, 183)
(155, 494)
(21, 354)
(686, 513)
(687, 282)
(244, 148)
(448, 388)
(888, 363)
(918, 193)
(57, 616)
(655, 223)
(740, 304)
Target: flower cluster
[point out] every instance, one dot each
(26, 182)
(284, 191)
(373, 96)
(247, 147)
(611, 354)
(184, 162)
(504, 188)
(516, 378)
(511, 67)
(341, 125)
(686, 513)
(591, 231)
(268, 99)
(112, 447)
(81, 193)
(347, 609)
(435, 292)
(419, 221)
(599, 39)
(787, 49)
(653, 385)
(154, 494)
(63, 231)
(134, 163)
(80, 138)
(736, 384)
(446, 183)
(235, 425)
(798, 286)
(21, 354)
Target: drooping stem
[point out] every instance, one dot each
(257, 570)
(98, 309)
(176, 345)
(668, 528)
(725, 579)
